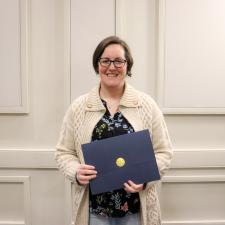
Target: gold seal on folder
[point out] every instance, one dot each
(120, 162)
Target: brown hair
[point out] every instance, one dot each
(106, 42)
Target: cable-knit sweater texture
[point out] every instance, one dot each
(83, 114)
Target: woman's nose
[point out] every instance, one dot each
(111, 66)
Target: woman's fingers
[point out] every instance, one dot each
(86, 179)
(85, 166)
(131, 187)
(85, 173)
(86, 170)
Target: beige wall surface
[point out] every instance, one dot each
(39, 128)
(192, 192)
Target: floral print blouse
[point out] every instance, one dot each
(117, 203)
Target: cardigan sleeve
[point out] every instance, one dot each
(153, 120)
(160, 140)
(65, 155)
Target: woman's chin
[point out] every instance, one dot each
(114, 84)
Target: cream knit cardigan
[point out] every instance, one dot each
(78, 124)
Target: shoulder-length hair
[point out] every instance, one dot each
(106, 42)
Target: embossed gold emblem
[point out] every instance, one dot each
(120, 162)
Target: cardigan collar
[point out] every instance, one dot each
(129, 98)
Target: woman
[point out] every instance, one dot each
(112, 108)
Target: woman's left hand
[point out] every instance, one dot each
(131, 187)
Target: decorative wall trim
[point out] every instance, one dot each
(25, 21)
(163, 84)
(27, 158)
(25, 180)
(44, 158)
(12, 223)
(119, 17)
(24, 62)
(198, 158)
(67, 52)
(194, 179)
(195, 222)
(161, 54)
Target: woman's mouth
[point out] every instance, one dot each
(112, 75)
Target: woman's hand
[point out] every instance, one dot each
(131, 187)
(85, 173)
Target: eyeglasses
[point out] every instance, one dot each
(118, 63)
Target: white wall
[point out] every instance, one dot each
(193, 190)
(39, 128)
(31, 189)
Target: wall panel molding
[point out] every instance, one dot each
(190, 57)
(194, 179)
(119, 19)
(27, 158)
(206, 180)
(195, 222)
(198, 158)
(44, 158)
(25, 181)
(14, 57)
(12, 223)
(67, 52)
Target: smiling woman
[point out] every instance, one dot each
(111, 76)
(112, 108)
(127, 57)
(112, 60)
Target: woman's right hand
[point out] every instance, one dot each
(85, 173)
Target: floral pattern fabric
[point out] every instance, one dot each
(117, 203)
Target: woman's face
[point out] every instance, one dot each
(110, 75)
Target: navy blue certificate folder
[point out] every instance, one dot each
(119, 159)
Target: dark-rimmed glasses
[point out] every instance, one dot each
(118, 63)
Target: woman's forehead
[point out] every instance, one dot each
(114, 50)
